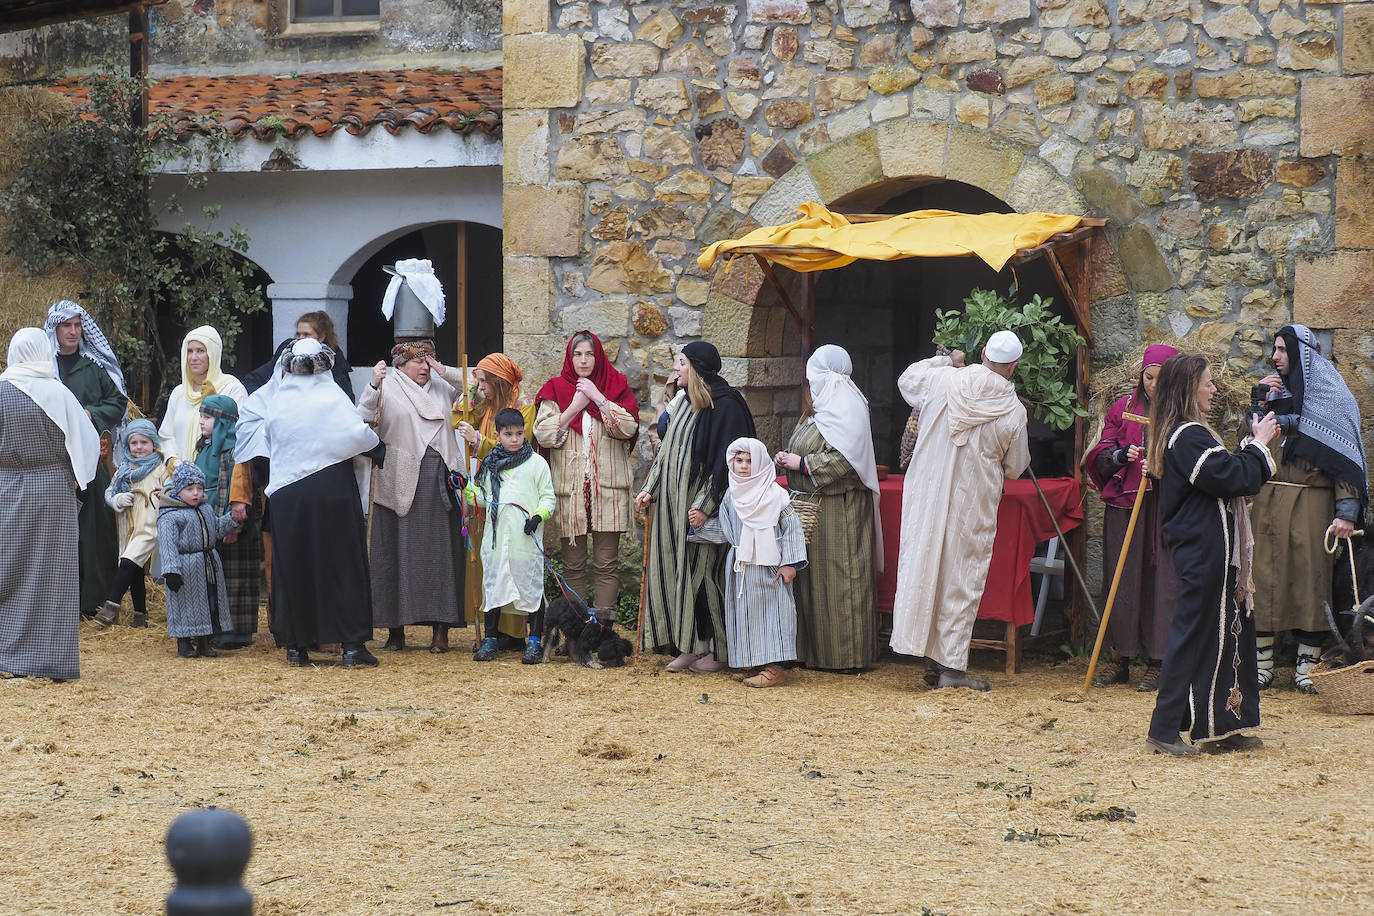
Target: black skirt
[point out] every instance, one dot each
(321, 589)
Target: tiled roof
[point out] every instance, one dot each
(321, 103)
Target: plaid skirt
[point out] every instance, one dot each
(242, 562)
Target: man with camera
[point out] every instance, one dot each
(1321, 485)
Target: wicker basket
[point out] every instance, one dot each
(1348, 690)
(807, 507)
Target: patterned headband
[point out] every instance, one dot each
(407, 350)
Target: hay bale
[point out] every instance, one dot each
(1233, 389)
(24, 299)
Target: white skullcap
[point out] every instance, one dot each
(309, 346)
(1003, 347)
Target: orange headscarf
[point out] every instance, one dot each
(502, 366)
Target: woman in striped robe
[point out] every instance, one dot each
(830, 454)
(685, 604)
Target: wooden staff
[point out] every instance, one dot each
(1120, 560)
(643, 585)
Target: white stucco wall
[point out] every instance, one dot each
(311, 230)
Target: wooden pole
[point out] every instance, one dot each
(1120, 561)
(643, 585)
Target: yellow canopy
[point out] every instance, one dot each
(835, 241)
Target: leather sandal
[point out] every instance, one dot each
(743, 674)
(770, 676)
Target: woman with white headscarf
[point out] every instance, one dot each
(48, 452)
(201, 377)
(831, 454)
(310, 432)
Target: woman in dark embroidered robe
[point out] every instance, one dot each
(1208, 684)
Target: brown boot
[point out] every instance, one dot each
(438, 643)
(770, 676)
(108, 615)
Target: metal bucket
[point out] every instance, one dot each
(410, 318)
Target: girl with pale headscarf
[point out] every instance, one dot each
(201, 376)
(766, 550)
(48, 452)
(830, 454)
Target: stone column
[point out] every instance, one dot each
(542, 219)
(291, 300)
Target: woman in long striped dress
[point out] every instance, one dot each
(685, 604)
(831, 454)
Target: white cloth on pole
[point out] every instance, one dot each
(418, 274)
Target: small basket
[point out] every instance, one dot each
(1346, 691)
(807, 508)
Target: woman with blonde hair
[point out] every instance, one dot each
(495, 386)
(685, 604)
(1208, 684)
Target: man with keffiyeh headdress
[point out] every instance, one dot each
(1321, 483)
(86, 364)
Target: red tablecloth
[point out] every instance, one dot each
(1021, 524)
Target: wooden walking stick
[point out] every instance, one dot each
(643, 585)
(1121, 558)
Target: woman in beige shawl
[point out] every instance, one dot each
(416, 551)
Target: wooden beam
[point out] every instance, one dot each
(139, 28)
(782, 293)
(16, 15)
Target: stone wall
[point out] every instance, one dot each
(209, 37)
(1231, 146)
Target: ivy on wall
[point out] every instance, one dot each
(81, 199)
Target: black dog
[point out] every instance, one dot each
(591, 643)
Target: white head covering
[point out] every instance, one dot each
(301, 423)
(842, 418)
(93, 344)
(1003, 347)
(758, 501)
(32, 370)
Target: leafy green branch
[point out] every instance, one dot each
(1042, 374)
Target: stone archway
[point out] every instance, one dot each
(761, 347)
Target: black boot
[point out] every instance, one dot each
(203, 647)
(186, 647)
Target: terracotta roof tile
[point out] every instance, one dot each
(320, 103)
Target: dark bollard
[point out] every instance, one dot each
(208, 851)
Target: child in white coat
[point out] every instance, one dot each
(516, 486)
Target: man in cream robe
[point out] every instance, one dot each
(973, 437)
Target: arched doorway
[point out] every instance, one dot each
(370, 334)
(883, 312)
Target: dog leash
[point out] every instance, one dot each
(1332, 543)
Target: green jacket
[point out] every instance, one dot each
(97, 393)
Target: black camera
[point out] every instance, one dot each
(1259, 401)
